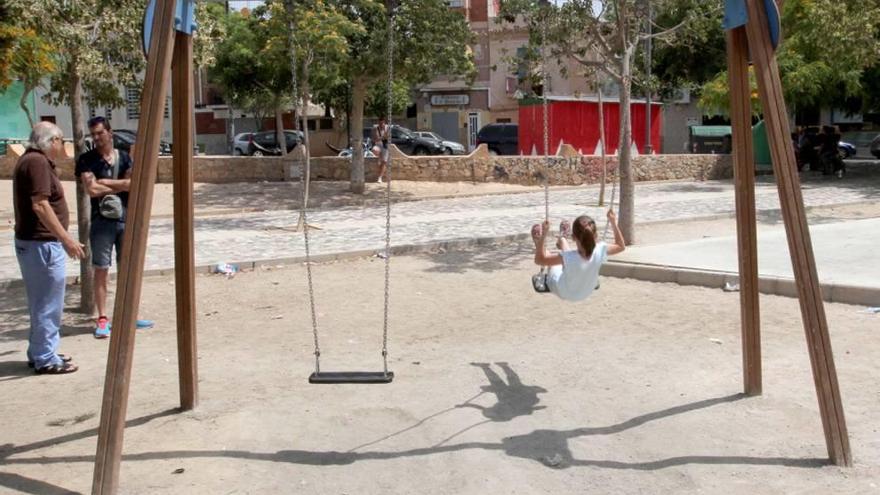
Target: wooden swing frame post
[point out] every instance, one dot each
(754, 40)
(166, 46)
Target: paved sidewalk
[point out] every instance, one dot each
(268, 235)
(846, 253)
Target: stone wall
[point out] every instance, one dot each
(566, 168)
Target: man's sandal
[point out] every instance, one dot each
(57, 369)
(64, 359)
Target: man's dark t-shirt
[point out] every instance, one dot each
(35, 177)
(92, 161)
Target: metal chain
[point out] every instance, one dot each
(304, 178)
(388, 188)
(546, 122)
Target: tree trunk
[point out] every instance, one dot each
(279, 129)
(627, 189)
(358, 96)
(83, 202)
(22, 102)
(602, 145)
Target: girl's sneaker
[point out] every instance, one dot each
(103, 329)
(565, 229)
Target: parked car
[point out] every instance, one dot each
(875, 147)
(266, 143)
(240, 143)
(846, 150)
(449, 147)
(123, 139)
(502, 139)
(409, 143)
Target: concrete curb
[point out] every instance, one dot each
(780, 286)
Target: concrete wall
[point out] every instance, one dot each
(567, 168)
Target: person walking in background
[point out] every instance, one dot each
(42, 245)
(381, 136)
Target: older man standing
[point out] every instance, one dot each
(41, 240)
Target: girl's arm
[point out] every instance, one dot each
(619, 244)
(542, 256)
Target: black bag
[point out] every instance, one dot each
(110, 206)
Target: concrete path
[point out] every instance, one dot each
(268, 235)
(846, 253)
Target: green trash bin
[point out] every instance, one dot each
(761, 144)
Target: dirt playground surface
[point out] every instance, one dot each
(497, 390)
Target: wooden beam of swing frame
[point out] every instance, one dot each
(184, 239)
(746, 222)
(798, 235)
(118, 376)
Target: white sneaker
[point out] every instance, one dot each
(379, 180)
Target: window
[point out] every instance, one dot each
(455, 3)
(311, 124)
(503, 121)
(132, 104)
(325, 124)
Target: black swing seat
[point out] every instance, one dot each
(351, 377)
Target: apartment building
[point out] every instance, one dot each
(457, 110)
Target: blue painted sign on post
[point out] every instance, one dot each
(736, 15)
(184, 20)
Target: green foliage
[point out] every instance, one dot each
(211, 29)
(98, 41)
(429, 40)
(830, 49)
(697, 56)
(377, 98)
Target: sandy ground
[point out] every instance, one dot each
(497, 390)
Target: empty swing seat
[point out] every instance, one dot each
(351, 377)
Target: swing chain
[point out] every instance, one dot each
(304, 177)
(546, 117)
(388, 189)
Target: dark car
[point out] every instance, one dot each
(409, 143)
(123, 139)
(502, 139)
(266, 143)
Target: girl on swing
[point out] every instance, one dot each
(573, 273)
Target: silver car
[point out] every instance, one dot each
(449, 147)
(240, 143)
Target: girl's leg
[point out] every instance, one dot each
(562, 244)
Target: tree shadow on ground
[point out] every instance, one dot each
(15, 320)
(499, 256)
(861, 177)
(288, 195)
(688, 187)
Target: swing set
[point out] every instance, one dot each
(170, 29)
